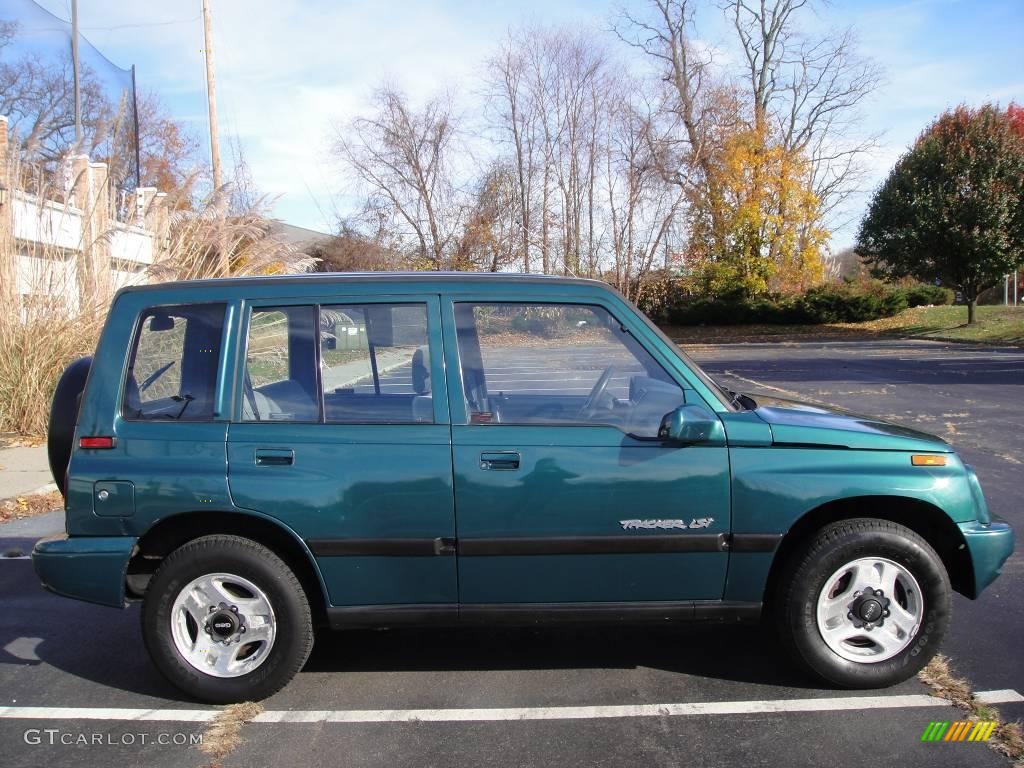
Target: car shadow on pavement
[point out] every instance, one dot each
(55, 638)
(741, 653)
(102, 647)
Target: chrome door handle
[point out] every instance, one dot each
(499, 460)
(275, 457)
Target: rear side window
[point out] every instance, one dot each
(338, 363)
(280, 366)
(375, 364)
(172, 368)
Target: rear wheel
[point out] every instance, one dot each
(865, 604)
(226, 620)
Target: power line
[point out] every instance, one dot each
(167, 23)
(101, 28)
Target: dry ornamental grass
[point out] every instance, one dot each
(48, 318)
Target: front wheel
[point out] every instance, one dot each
(226, 620)
(865, 604)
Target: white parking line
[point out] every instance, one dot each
(836, 704)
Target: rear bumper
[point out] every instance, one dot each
(989, 545)
(90, 568)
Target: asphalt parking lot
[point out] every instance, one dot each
(515, 697)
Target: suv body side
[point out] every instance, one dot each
(158, 470)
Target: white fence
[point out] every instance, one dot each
(51, 238)
(74, 248)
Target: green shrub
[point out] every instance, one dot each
(843, 303)
(923, 294)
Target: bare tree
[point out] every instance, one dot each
(402, 157)
(807, 90)
(354, 249)
(685, 145)
(490, 239)
(545, 100)
(243, 196)
(168, 151)
(581, 79)
(514, 115)
(642, 204)
(38, 96)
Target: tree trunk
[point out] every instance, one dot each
(972, 303)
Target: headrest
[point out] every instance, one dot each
(421, 370)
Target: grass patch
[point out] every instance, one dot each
(1007, 738)
(996, 325)
(224, 734)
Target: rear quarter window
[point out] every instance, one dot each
(172, 364)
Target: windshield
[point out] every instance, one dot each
(725, 397)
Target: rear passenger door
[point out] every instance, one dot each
(341, 431)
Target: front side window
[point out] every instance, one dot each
(172, 370)
(559, 364)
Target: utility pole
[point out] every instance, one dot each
(74, 69)
(211, 98)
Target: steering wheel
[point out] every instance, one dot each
(598, 390)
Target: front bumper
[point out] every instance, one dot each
(989, 545)
(90, 568)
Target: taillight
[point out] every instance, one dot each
(96, 442)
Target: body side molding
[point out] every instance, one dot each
(524, 614)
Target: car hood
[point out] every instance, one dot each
(797, 423)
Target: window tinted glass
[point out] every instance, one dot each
(375, 363)
(559, 364)
(280, 366)
(173, 363)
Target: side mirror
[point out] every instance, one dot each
(691, 424)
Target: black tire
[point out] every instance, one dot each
(60, 431)
(831, 548)
(249, 560)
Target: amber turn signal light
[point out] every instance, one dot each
(927, 460)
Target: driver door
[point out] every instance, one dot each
(558, 472)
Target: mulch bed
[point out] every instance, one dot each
(30, 505)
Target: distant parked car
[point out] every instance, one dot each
(254, 457)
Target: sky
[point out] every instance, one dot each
(289, 72)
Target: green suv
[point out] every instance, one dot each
(252, 458)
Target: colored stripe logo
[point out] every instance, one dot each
(961, 730)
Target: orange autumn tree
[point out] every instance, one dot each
(1015, 112)
(756, 225)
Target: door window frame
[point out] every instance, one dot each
(439, 392)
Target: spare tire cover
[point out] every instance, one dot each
(64, 417)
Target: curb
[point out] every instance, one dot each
(36, 492)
